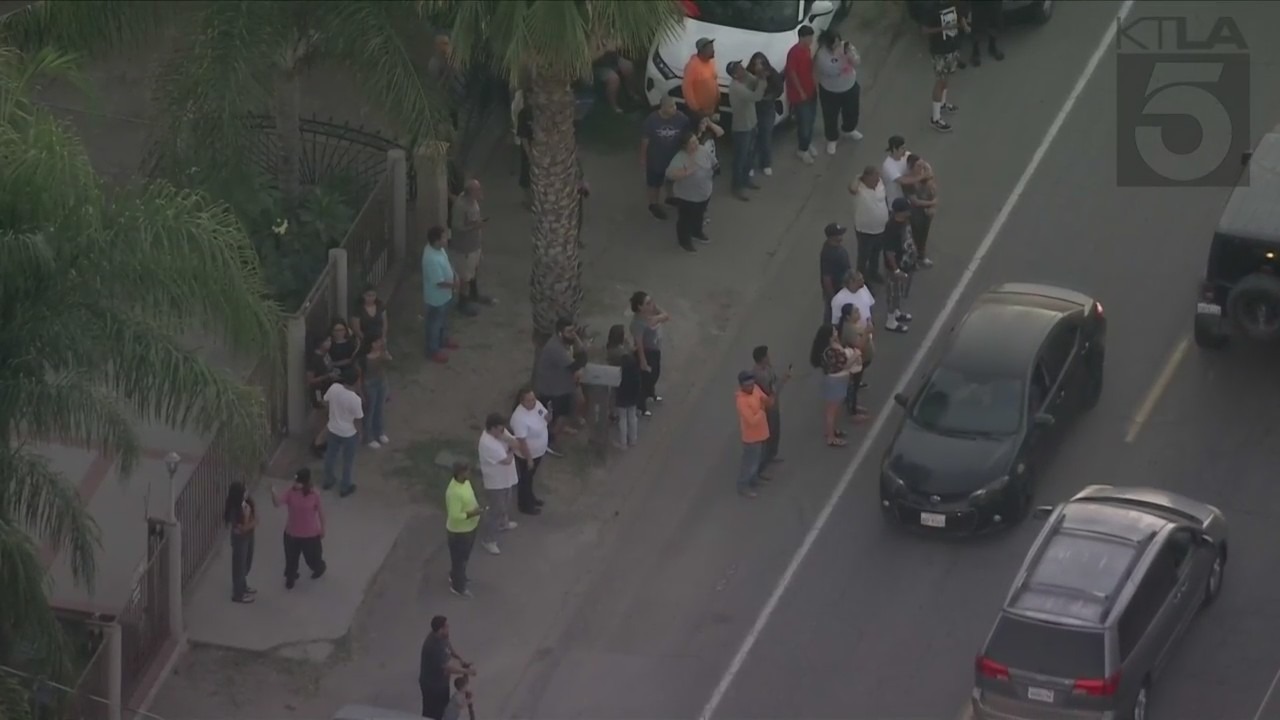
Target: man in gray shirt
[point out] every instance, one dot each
(464, 245)
(555, 377)
(745, 91)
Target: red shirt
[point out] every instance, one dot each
(800, 63)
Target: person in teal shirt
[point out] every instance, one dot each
(439, 282)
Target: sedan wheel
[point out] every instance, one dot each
(1140, 704)
(1213, 585)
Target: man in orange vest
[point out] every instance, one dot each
(701, 84)
(753, 405)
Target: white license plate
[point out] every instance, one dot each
(1208, 309)
(1040, 694)
(937, 520)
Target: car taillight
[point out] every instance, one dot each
(1206, 291)
(991, 669)
(1105, 687)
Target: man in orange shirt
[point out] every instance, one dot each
(753, 418)
(701, 84)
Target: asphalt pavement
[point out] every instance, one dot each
(878, 623)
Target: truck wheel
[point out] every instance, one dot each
(1254, 305)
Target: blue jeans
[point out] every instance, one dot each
(436, 321)
(375, 394)
(806, 114)
(752, 454)
(743, 154)
(347, 446)
(766, 118)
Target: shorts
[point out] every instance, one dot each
(465, 264)
(835, 388)
(944, 65)
(561, 406)
(655, 178)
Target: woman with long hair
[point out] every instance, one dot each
(621, 352)
(303, 528)
(836, 67)
(766, 113)
(924, 203)
(647, 320)
(344, 346)
(854, 334)
(241, 516)
(370, 318)
(837, 363)
(373, 377)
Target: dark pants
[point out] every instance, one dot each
(774, 417)
(744, 142)
(689, 217)
(434, 700)
(310, 549)
(766, 118)
(649, 378)
(920, 224)
(840, 111)
(460, 545)
(526, 498)
(869, 249)
(806, 113)
(241, 563)
(851, 396)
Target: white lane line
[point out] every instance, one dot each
(1157, 390)
(948, 308)
(1267, 698)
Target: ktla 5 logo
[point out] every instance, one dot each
(1182, 103)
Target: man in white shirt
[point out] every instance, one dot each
(529, 426)
(870, 216)
(345, 409)
(497, 449)
(894, 169)
(854, 293)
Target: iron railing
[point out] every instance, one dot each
(330, 148)
(91, 688)
(199, 506)
(144, 622)
(368, 244)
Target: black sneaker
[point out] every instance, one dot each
(289, 583)
(316, 575)
(658, 212)
(688, 248)
(940, 125)
(948, 107)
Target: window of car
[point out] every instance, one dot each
(970, 403)
(1058, 349)
(1043, 648)
(769, 16)
(1148, 598)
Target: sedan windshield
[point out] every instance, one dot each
(769, 16)
(970, 404)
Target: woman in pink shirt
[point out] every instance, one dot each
(303, 528)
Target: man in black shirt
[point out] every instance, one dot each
(833, 266)
(438, 663)
(899, 260)
(943, 25)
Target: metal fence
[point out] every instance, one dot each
(87, 701)
(199, 506)
(321, 306)
(144, 622)
(368, 243)
(268, 376)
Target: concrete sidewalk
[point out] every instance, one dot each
(306, 621)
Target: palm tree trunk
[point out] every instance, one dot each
(288, 107)
(555, 273)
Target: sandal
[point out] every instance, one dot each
(841, 434)
(836, 442)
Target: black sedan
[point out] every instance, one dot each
(1022, 363)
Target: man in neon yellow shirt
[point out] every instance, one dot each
(462, 515)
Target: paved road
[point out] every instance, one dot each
(879, 624)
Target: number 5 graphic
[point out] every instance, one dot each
(1180, 90)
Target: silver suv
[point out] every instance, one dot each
(1107, 589)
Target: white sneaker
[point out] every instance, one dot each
(384, 439)
(831, 147)
(805, 156)
(855, 135)
(768, 172)
(491, 548)
(375, 444)
(813, 151)
(511, 525)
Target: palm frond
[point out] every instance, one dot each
(84, 26)
(37, 501)
(26, 619)
(72, 406)
(375, 40)
(15, 699)
(47, 177)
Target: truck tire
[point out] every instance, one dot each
(1254, 306)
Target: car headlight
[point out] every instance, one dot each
(892, 484)
(662, 67)
(992, 488)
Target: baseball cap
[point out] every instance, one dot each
(746, 376)
(834, 229)
(703, 42)
(733, 67)
(897, 142)
(900, 205)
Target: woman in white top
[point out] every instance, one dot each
(529, 426)
(836, 69)
(870, 216)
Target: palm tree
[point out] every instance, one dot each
(234, 58)
(100, 293)
(549, 45)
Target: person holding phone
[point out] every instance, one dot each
(465, 251)
(462, 516)
(771, 384)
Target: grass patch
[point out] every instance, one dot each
(605, 131)
(421, 474)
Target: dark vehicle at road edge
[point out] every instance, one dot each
(1240, 294)
(1024, 362)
